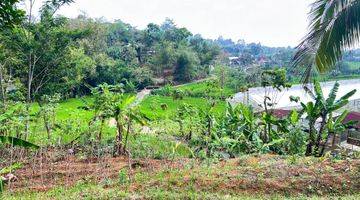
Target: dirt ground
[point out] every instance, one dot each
(252, 174)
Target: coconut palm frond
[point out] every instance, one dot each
(334, 28)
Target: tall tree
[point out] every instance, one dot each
(186, 64)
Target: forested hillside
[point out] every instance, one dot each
(53, 54)
(254, 54)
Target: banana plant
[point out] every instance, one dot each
(312, 112)
(335, 127)
(125, 113)
(323, 109)
(133, 115)
(185, 113)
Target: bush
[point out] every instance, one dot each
(167, 91)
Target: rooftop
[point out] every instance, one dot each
(281, 100)
(353, 116)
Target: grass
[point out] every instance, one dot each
(92, 191)
(68, 108)
(157, 147)
(68, 113)
(200, 89)
(151, 106)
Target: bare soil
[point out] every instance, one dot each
(265, 174)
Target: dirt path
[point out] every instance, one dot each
(141, 96)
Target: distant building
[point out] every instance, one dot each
(234, 61)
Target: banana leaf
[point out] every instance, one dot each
(17, 142)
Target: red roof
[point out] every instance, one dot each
(353, 116)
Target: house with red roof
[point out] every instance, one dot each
(353, 133)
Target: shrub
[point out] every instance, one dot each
(167, 90)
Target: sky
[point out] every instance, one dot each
(270, 22)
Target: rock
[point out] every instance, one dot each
(71, 151)
(9, 178)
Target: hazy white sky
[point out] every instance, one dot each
(271, 22)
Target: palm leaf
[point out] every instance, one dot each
(338, 105)
(334, 28)
(138, 118)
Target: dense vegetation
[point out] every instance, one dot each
(53, 54)
(102, 97)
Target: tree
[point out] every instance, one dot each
(9, 14)
(334, 27)
(48, 105)
(271, 80)
(111, 102)
(40, 47)
(164, 59)
(186, 64)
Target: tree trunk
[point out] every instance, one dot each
(319, 136)
(101, 129)
(127, 134)
(310, 144)
(327, 139)
(28, 97)
(47, 127)
(189, 137)
(118, 144)
(138, 54)
(2, 88)
(209, 126)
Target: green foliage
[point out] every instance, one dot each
(157, 147)
(151, 106)
(54, 54)
(275, 78)
(208, 88)
(295, 138)
(11, 168)
(48, 105)
(167, 90)
(10, 15)
(186, 65)
(123, 177)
